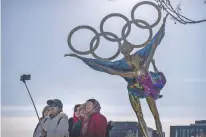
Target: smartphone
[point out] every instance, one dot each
(25, 77)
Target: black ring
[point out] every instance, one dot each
(147, 26)
(97, 37)
(112, 15)
(82, 52)
(148, 3)
(138, 22)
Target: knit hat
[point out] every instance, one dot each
(55, 103)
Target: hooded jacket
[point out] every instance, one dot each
(57, 126)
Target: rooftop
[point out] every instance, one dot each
(125, 125)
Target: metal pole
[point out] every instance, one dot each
(31, 100)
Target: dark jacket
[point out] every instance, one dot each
(109, 128)
(70, 125)
(75, 128)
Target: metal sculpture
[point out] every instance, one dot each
(134, 68)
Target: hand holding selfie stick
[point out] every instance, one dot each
(23, 79)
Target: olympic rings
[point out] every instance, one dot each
(82, 52)
(147, 3)
(146, 25)
(112, 15)
(97, 37)
(124, 33)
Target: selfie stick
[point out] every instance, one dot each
(23, 79)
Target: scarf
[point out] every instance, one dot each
(88, 116)
(75, 119)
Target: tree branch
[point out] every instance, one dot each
(175, 13)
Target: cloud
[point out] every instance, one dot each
(195, 80)
(114, 111)
(170, 115)
(11, 125)
(70, 80)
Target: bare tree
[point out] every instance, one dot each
(175, 13)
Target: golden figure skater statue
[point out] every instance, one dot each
(134, 68)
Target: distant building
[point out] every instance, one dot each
(155, 134)
(122, 129)
(128, 129)
(201, 122)
(193, 130)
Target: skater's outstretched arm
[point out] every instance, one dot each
(105, 66)
(119, 73)
(92, 63)
(148, 51)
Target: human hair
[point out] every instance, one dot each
(92, 100)
(83, 106)
(76, 106)
(46, 108)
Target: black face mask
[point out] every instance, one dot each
(51, 116)
(56, 105)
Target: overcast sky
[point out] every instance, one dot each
(34, 35)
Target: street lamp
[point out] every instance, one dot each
(23, 78)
